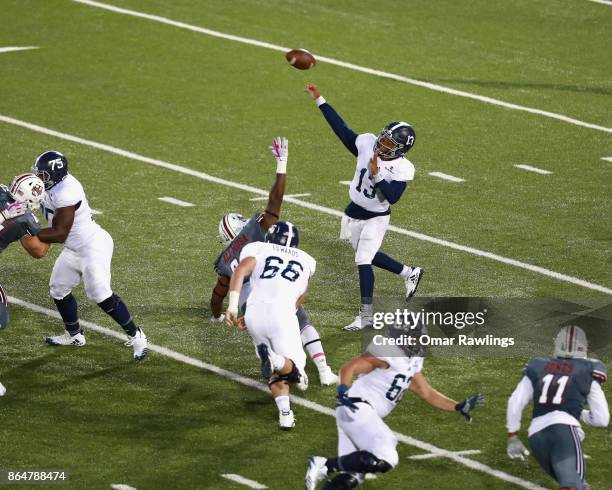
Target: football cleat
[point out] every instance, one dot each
(315, 472)
(286, 420)
(354, 326)
(412, 282)
(77, 340)
(327, 376)
(302, 384)
(139, 343)
(267, 361)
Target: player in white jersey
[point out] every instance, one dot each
(380, 179)
(87, 255)
(365, 443)
(279, 274)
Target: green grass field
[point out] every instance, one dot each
(212, 105)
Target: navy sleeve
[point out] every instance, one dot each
(391, 190)
(346, 134)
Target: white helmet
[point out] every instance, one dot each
(230, 225)
(571, 341)
(28, 188)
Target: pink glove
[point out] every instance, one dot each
(15, 209)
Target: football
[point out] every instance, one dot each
(300, 59)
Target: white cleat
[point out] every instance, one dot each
(412, 283)
(302, 384)
(286, 420)
(77, 340)
(327, 376)
(355, 326)
(316, 472)
(139, 343)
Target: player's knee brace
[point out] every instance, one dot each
(343, 481)
(372, 464)
(294, 375)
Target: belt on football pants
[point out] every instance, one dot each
(356, 399)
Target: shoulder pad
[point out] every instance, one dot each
(599, 371)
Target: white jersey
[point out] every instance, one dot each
(281, 273)
(383, 388)
(362, 190)
(69, 192)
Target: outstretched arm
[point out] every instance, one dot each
(421, 388)
(343, 132)
(280, 151)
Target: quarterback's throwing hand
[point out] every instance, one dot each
(312, 90)
(374, 164)
(469, 404)
(516, 449)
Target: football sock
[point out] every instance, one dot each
(117, 310)
(357, 462)
(282, 402)
(67, 308)
(383, 261)
(312, 342)
(406, 272)
(366, 283)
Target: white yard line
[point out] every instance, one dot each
(536, 170)
(468, 452)
(443, 176)
(344, 182)
(96, 212)
(177, 356)
(263, 198)
(176, 202)
(350, 66)
(122, 486)
(305, 204)
(10, 49)
(607, 159)
(604, 2)
(244, 481)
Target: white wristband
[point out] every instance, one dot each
(320, 101)
(281, 166)
(234, 297)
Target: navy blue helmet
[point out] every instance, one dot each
(51, 167)
(395, 140)
(283, 233)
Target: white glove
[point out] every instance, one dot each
(280, 151)
(516, 449)
(15, 209)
